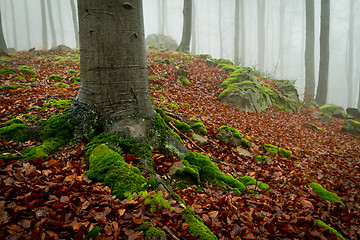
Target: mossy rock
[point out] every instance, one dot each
(55, 77)
(284, 153)
(15, 130)
(7, 71)
(26, 70)
(183, 127)
(332, 110)
(325, 194)
(197, 226)
(312, 126)
(198, 126)
(231, 135)
(330, 229)
(351, 126)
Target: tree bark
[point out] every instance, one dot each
(75, 23)
(43, 25)
(3, 46)
(193, 30)
(236, 35)
(186, 33)
(261, 33)
(52, 26)
(309, 51)
(13, 24)
(350, 61)
(281, 37)
(27, 24)
(322, 87)
(220, 31)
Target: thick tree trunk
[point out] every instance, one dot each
(75, 23)
(113, 65)
(309, 51)
(350, 54)
(186, 33)
(321, 93)
(13, 24)
(52, 26)
(261, 33)
(43, 25)
(236, 35)
(3, 46)
(27, 24)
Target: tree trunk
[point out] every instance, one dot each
(309, 51)
(186, 34)
(52, 26)
(261, 33)
(61, 30)
(13, 24)
(281, 37)
(75, 23)
(220, 31)
(236, 35)
(27, 24)
(242, 30)
(350, 54)
(3, 46)
(321, 93)
(193, 30)
(43, 24)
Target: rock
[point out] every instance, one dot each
(243, 152)
(3, 54)
(202, 141)
(351, 126)
(11, 50)
(322, 116)
(332, 110)
(160, 42)
(31, 50)
(225, 135)
(63, 48)
(210, 63)
(353, 112)
(176, 165)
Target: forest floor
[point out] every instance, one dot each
(50, 197)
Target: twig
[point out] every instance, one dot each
(177, 130)
(170, 232)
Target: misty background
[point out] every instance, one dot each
(284, 40)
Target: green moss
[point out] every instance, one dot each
(171, 105)
(197, 226)
(155, 87)
(33, 79)
(9, 158)
(331, 109)
(246, 180)
(271, 148)
(183, 127)
(72, 71)
(108, 166)
(74, 57)
(163, 115)
(15, 130)
(284, 153)
(11, 87)
(36, 108)
(55, 77)
(26, 70)
(75, 79)
(325, 194)
(235, 132)
(158, 60)
(185, 80)
(150, 231)
(245, 143)
(58, 126)
(312, 126)
(155, 200)
(94, 232)
(162, 96)
(61, 84)
(332, 230)
(199, 127)
(7, 71)
(59, 104)
(261, 158)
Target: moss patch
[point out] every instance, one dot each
(331, 109)
(332, 230)
(325, 194)
(55, 77)
(7, 71)
(150, 231)
(197, 226)
(11, 87)
(15, 130)
(26, 70)
(199, 126)
(246, 180)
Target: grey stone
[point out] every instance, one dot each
(243, 152)
(201, 140)
(351, 126)
(322, 116)
(176, 165)
(353, 112)
(226, 136)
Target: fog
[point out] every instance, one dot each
(206, 18)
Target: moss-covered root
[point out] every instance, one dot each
(150, 231)
(108, 166)
(325, 194)
(332, 230)
(197, 226)
(15, 130)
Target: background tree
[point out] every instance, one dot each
(27, 23)
(52, 26)
(186, 33)
(193, 29)
(309, 51)
(61, 25)
(43, 25)
(75, 23)
(13, 24)
(242, 31)
(281, 36)
(322, 87)
(220, 30)
(350, 55)
(236, 31)
(261, 33)
(3, 46)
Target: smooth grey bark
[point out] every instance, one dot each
(61, 25)
(113, 65)
(43, 25)
(236, 35)
(193, 29)
(261, 33)
(3, 46)
(309, 51)
(75, 23)
(281, 36)
(321, 93)
(220, 31)
(186, 32)
(350, 60)
(242, 31)
(27, 24)
(13, 23)
(52, 26)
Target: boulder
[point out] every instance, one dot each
(63, 48)
(160, 42)
(332, 110)
(324, 117)
(176, 166)
(228, 135)
(351, 126)
(202, 141)
(353, 112)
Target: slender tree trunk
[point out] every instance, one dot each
(27, 24)
(163, 16)
(261, 33)
(350, 61)
(236, 35)
(62, 36)
(242, 30)
(220, 31)
(186, 34)
(43, 24)
(75, 23)
(193, 30)
(321, 93)
(281, 37)
(13, 24)
(309, 51)
(52, 26)
(3, 46)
